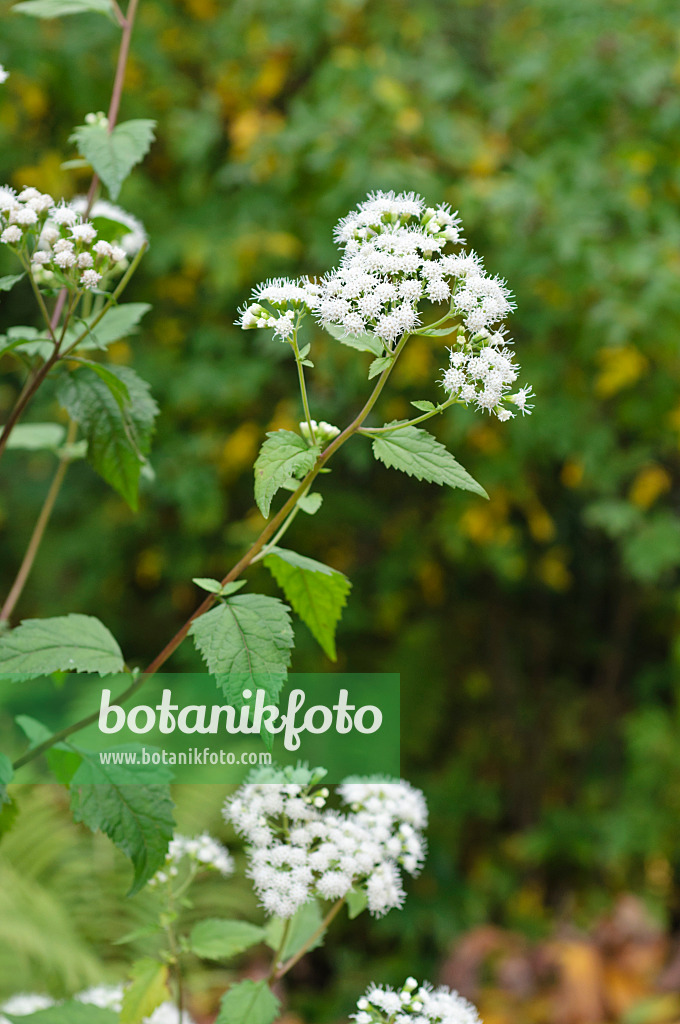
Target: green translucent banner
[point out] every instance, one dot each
(184, 728)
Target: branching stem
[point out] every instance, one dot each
(40, 526)
(268, 532)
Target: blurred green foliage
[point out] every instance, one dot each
(535, 634)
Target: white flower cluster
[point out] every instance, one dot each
(61, 245)
(287, 300)
(4, 75)
(398, 253)
(323, 431)
(481, 371)
(414, 1004)
(132, 232)
(301, 849)
(202, 850)
(107, 997)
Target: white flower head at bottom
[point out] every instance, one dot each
(414, 1004)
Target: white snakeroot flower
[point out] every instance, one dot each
(8, 198)
(132, 240)
(481, 371)
(322, 431)
(414, 1004)
(203, 850)
(23, 1004)
(110, 997)
(64, 215)
(283, 299)
(299, 848)
(4, 75)
(90, 278)
(398, 257)
(65, 258)
(11, 235)
(84, 233)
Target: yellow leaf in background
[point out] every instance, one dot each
(346, 57)
(641, 161)
(391, 92)
(640, 196)
(272, 77)
(281, 243)
(240, 449)
(120, 353)
(620, 367)
(649, 484)
(486, 438)
(541, 525)
(149, 567)
(204, 10)
(409, 120)
(431, 579)
(32, 98)
(552, 570)
(489, 156)
(47, 175)
(572, 473)
(416, 364)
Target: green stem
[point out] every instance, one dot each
(174, 948)
(303, 388)
(39, 528)
(112, 299)
(275, 540)
(371, 431)
(332, 913)
(269, 531)
(276, 961)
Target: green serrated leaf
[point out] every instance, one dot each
(216, 939)
(310, 503)
(118, 322)
(283, 454)
(67, 643)
(418, 453)
(118, 439)
(114, 383)
(113, 154)
(71, 1012)
(136, 816)
(248, 1002)
(59, 8)
(378, 365)
(148, 990)
(8, 282)
(304, 923)
(362, 342)
(424, 406)
(35, 437)
(28, 340)
(246, 642)
(317, 593)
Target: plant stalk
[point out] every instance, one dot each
(39, 528)
(268, 532)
